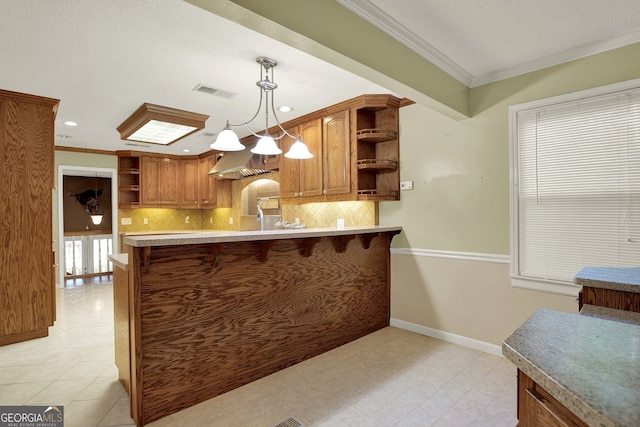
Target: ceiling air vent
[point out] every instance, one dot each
(205, 89)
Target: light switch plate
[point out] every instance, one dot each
(406, 185)
(125, 221)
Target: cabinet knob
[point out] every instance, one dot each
(301, 193)
(324, 191)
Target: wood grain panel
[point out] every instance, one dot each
(26, 182)
(207, 327)
(620, 300)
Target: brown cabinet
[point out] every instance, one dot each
(159, 183)
(336, 153)
(356, 153)
(376, 141)
(206, 184)
(188, 183)
(537, 408)
(27, 280)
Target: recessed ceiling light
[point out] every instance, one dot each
(70, 123)
(285, 109)
(160, 125)
(186, 150)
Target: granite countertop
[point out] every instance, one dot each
(120, 260)
(188, 238)
(590, 365)
(626, 279)
(611, 314)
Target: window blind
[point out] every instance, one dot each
(578, 186)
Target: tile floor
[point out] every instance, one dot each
(389, 378)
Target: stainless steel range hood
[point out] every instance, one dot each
(238, 164)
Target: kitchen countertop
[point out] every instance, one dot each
(626, 279)
(611, 314)
(588, 364)
(120, 260)
(187, 238)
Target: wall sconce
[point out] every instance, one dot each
(156, 124)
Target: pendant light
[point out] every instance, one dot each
(93, 208)
(227, 139)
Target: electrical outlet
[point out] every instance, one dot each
(406, 185)
(210, 220)
(145, 221)
(340, 223)
(230, 220)
(186, 219)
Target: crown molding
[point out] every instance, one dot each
(374, 15)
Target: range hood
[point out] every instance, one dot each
(238, 164)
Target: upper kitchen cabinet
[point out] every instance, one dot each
(356, 153)
(302, 178)
(206, 183)
(336, 154)
(159, 183)
(188, 196)
(27, 276)
(376, 141)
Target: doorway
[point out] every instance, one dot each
(83, 253)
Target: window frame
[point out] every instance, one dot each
(524, 282)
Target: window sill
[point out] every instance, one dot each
(540, 285)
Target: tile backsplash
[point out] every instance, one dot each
(313, 215)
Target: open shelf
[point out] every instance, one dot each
(376, 135)
(377, 164)
(375, 194)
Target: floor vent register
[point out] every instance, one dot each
(289, 422)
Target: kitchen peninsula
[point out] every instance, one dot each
(212, 311)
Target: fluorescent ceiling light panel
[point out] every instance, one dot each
(156, 124)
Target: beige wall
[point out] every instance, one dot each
(460, 203)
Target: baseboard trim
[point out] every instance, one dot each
(486, 347)
(469, 256)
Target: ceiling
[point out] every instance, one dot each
(103, 59)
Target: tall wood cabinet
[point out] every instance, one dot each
(27, 272)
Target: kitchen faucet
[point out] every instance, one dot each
(260, 216)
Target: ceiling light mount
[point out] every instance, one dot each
(156, 124)
(228, 140)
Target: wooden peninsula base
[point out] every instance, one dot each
(206, 318)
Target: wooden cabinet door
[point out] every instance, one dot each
(169, 179)
(336, 151)
(188, 183)
(149, 184)
(207, 184)
(289, 168)
(159, 183)
(311, 169)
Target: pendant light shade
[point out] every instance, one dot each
(298, 151)
(227, 140)
(267, 145)
(96, 219)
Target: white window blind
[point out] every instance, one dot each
(577, 177)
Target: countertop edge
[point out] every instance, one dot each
(243, 236)
(555, 389)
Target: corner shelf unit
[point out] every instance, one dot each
(378, 151)
(128, 180)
